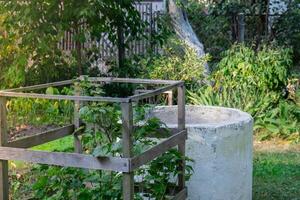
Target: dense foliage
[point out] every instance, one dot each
(176, 62)
(26, 111)
(102, 137)
(216, 24)
(33, 30)
(265, 70)
(256, 83)
(212, 30)
(254, 77)
(287, 28)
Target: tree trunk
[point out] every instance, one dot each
(79, 58)
(79, 48)
(185, 31)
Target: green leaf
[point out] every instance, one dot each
(99, 152)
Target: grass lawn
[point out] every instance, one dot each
(60, 145)
(63, 144)
(276, 172)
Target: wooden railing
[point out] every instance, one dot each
(127, 163)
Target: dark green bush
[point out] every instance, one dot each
(286, 29)
(253, 82)
(212, 29)
(266, 69)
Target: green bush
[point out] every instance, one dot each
(27, 111)
(252, 101)
(103, 137)
(253, 82)
(282, 121)
(266, 69)
(177, 62)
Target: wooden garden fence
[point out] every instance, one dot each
(149, 13)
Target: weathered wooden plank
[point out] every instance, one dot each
(127, 130)
(182, 195)
(155, 92)
(170, 98)
(181, 107)
(63, 97)
(132, 80)
(41, 86)
(157, 150)
(139, 91)
(41, 138)
(65, 159)
(181, 126)
(4, 187)
(168, 93)
(77, 142)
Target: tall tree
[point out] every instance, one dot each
(40, 25)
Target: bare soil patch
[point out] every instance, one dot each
(275, 145)
(28, 130)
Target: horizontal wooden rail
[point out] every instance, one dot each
(93, 79)
(41, 86)
(157, 150)
(63, 97)
(155, 92)
(18, 91)
(65, 159)
(140, 91)
(41, 138)
(131, 80)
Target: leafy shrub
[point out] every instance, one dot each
(177, 62)
(253, 82)
(266, 69)
(283, 121)
(69, 183)
(12, 70)
(27, 111)
(103, 137)
(243, 98)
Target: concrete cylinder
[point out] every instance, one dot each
(220, 142)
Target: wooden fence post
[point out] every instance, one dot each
(181, 126)
(4, 187)
(127, 125)
(170, 98)
(77, 142)
(241, 27)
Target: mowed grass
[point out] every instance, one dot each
(60, 145)
(276, 176)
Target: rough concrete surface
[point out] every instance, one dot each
(220, 142)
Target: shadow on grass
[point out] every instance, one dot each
(276, 176)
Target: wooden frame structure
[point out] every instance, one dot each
(17, 150)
